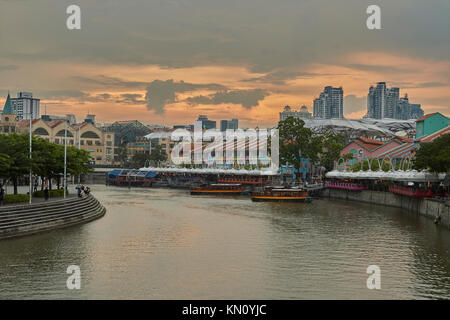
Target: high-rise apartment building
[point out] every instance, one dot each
(383, 102)
(330, 103)
(25, 106)
(204, 123)
(229, 124)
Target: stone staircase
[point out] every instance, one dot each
(26, 219)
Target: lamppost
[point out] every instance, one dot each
(31, 149)
(65, 157)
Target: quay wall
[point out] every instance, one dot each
(45, 216)
(430, 208)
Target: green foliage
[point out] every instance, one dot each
(139, 160)
(5, 163)
(158, 155)
(434, 156)
(52, 193)
(331, 149)
(298, 142)
(16, 198)
(47, 159)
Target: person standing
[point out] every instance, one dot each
(79, 188)
(2, 195)
(46, 193)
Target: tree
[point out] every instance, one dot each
(139, 160)
(331, 149)
(434, 156)
(158, 154)
(16, 147)
(297, 142)
(5, 163)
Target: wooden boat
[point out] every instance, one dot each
(282, 195)
(219, 188)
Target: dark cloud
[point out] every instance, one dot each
(8, 67)
(279, 77)
(60, 94)
(246, 98)
(264, 35)
(131, 98)
(377, 68)
(159, 93)
(110, 82)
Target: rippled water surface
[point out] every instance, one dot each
(166, 244)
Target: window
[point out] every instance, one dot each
(41, 132)
(90, 134)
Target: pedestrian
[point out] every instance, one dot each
(2, 195)
(46, 193)
(79, 188)
(35, 185)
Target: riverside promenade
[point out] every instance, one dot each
(22, 219)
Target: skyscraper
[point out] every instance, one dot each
(25, 106)
(391, 110)
(376, 101)
(229, 124)
(383, 102)
(330, 103)
(204, 123)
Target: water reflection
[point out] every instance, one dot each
(160, 243)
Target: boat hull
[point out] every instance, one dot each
(280, 199)
(217, 192)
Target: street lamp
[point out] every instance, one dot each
(65, 157)
(31, 149)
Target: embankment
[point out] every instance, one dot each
(430, 208)
(26, 219)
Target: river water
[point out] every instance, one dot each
(166, 244)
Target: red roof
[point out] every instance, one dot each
(408, 140)
(369, 144)
(54, 123)
(426, 116)
(24, 123)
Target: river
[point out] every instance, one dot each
(166, 244)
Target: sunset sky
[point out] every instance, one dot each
(167, 61)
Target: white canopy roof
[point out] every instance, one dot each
(262, 172)
(409, 175)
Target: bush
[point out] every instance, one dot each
(16, 198)
(52, 193)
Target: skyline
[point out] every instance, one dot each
(221, 59)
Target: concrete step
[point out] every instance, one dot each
(58, 214)
(46, 217)
(40, 206)
(24, 230)
(52, 209)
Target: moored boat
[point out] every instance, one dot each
(282, 195)
(219, 189)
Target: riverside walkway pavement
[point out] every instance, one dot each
(37, 200)
(25, 189)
